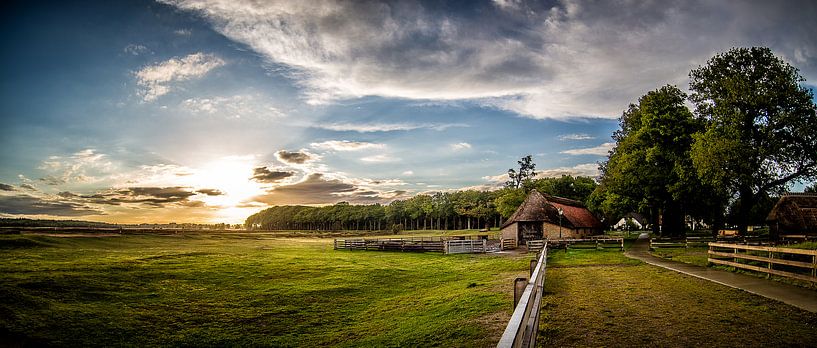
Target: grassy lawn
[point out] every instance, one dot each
(245, 290)
(601, 298)
(694, 255)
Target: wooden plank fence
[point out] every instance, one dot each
(591, 243)
(524, 324)
(687, 242)
(465, 246)
(477, 244)
(785, 262)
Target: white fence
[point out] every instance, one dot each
(524, 324)
(465, 246)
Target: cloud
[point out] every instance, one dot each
(576, 136)
(385, 127)
(584, 169)
(538, 59)
(29, 205)
(210, 192)
(460, 146)
(346, 145)
(156, 80)
(378, 158)
(136, 50)
(408, 172)
(297, 157)
(83, 166)
(236, 106)
(601, 150)
(156, 197)
(267, 175)
(318, 188)
(28, 187)
(183, 32)
(7, 187)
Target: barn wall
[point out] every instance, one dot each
(551, 231)
(511, 232)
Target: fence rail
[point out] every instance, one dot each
(478, 243)
(591, 243)
(791, 263)
(524, 324)
(465, 246)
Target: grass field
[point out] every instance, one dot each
(246, 290)
(602, 298)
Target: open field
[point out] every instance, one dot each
(602, 298)
(246, 290)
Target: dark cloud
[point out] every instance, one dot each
(150, 196)
(317, 189)
(298, 157)
(28, 205)
(28, 187)
(266, 175)
(51, 180)
(6, 187)
(210, 192)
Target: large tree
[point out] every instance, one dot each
(649, 168)
(525, 174)
(761, 131)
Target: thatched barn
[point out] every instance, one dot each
(794, 214)
(538, 218)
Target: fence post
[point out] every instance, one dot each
(771, 256)
(814, 268)
(519, 285)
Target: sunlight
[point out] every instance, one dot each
(232, 176)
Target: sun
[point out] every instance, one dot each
(232, 176)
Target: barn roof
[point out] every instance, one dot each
(795, 212)
(539, 207)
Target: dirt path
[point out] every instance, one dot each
(789, 294)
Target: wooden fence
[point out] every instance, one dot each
(688, 242)
(524, 324)
(465, 246)
(476, 244)
(591, 243)
(785, 262)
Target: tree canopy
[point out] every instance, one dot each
(761, 126)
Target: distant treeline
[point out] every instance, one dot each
(21, 222)
(468, 209)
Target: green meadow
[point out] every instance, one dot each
(246, 290)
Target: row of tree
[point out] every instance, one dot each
(468, 209)
(752, 133)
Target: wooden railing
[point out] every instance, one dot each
(590, 243)
(524, 324)
(656, 243)
(792, 263)
(465, 246)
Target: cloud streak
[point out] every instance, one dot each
(346, 145)
(157, 80)
(601, 150)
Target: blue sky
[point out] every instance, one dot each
(207, 111)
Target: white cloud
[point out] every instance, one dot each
(84, 166)
(156, 80)
(183, 32)
(460, 146)
(378, 158)
(236, 106)
(576, 136)
(586, 169)
(601, 150)
(572, 58)
(136, 50)
(385, 127)
(408, 173)
(346, 145)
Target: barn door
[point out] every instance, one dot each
(530, 231)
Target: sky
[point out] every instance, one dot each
(211, 110)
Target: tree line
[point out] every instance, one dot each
(466, 209)
(752, 132)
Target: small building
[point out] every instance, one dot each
(636, 219)
(794, 214)
(539, 218)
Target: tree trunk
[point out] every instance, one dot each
(744, 209)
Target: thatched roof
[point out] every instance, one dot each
(795, 212)
(545, 208)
